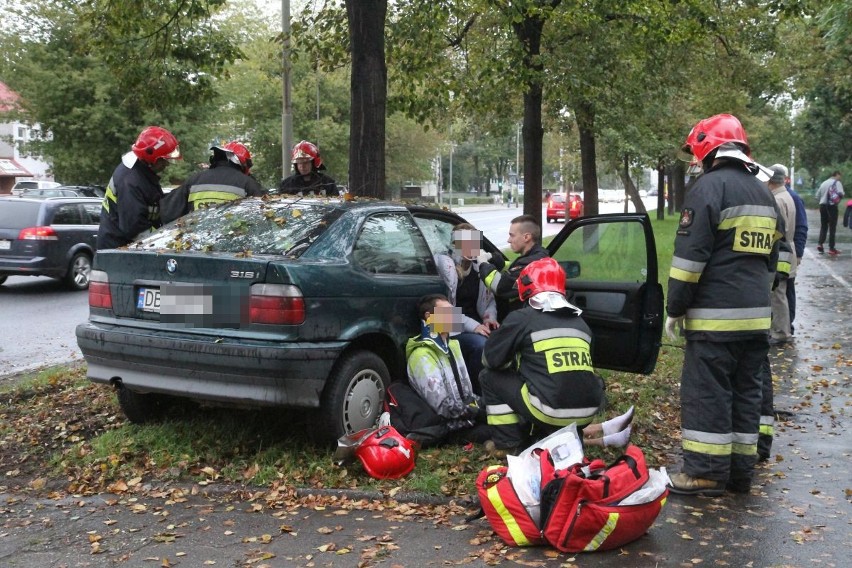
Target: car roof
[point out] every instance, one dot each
(32, 199)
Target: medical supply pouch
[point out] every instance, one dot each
(580, 506)
(506, 514)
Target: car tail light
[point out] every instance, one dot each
(575, 205)
(277, 304)
(99, 294)
(38, 234)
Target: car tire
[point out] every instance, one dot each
(354, 396)
(550, 219)
(2, 279)
(79, 269)
(141, 408)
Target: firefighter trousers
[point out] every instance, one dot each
(767, 412)
(721, 396)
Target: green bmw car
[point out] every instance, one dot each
(292, 302)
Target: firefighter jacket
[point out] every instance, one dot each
(503, 284)
(551, 351)
(131, 205)
(725, 256)
(317, 182)
(436, 370)
(221, 183)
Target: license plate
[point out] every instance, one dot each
(148, 300)
(5, 245)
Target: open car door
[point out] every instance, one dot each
(611, 264)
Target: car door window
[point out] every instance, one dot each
(609, 252)
(390, 243)
(67, 215)
(93, 212)
(438, 233)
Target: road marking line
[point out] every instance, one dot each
(827, 266)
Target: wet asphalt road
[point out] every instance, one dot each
(798, 514)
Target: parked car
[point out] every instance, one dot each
(562, 206)
(308, 303)
(66, 191)
(53, 237)
(24, 185)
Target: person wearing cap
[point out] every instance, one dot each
(724, 262)
(307, 173)
(538, 374)
(227, 179)
(132, 202)
(780, 331)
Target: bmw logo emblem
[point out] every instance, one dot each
(171, 265)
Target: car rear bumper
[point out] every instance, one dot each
(33, 266)
(256, 373)
(556, 213)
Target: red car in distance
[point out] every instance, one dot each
(559, 203)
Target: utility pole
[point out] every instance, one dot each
(287, 111)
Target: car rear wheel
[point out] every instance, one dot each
(79, 269)
(354, 395)
(2, 280)
(141, 408)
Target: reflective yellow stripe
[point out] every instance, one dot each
(552, 420)
(205, 197)
(109, 195)
(607, 529)
(744, 449)
(559, 342)
(490, 278)
(502, 419)
(565, 354)
(511, 524)
(752, 324)
(783, 267)
(749, 222)
(684, 275)
(710, 449)
(767, 429)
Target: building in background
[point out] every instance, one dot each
(15, 164)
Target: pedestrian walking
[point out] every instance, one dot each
(829, 194)
(718, 297)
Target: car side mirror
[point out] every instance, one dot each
(571, 268)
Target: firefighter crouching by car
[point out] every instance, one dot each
(132, 202)
(538, 364)
(718, 296)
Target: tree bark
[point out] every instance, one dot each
(588, 158)
(369, 97)
(630, 187)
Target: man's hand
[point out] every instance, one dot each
(482, 257)
(674, 327)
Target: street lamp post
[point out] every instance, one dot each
(287, 113)
(452, 147)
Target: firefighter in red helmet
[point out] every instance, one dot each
(726, 248)
(227, 179)
(133, 194)
(538, 374)
(307, 176)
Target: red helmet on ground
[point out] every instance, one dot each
(305, 149)
(387, 454)
(241, 153)
(156, 143)
(711, 133)
(543, 275)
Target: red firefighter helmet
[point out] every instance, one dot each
(387, 454)
(543, 275)
(711, 133)
(241, 154)
(305, 149)
(156, 143)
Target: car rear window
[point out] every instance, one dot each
(18, 214)
(557, 198)
(250, 226)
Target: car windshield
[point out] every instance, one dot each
(249, 226)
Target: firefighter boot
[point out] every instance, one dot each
(683, 484)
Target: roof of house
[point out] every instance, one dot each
(8, 98)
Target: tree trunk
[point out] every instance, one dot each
(661, 191)
(368, 87)
(678, 185)
(630, 187)
(588, 158)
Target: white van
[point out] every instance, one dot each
(23, 185)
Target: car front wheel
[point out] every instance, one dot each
(78, 271)
(354, 395)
